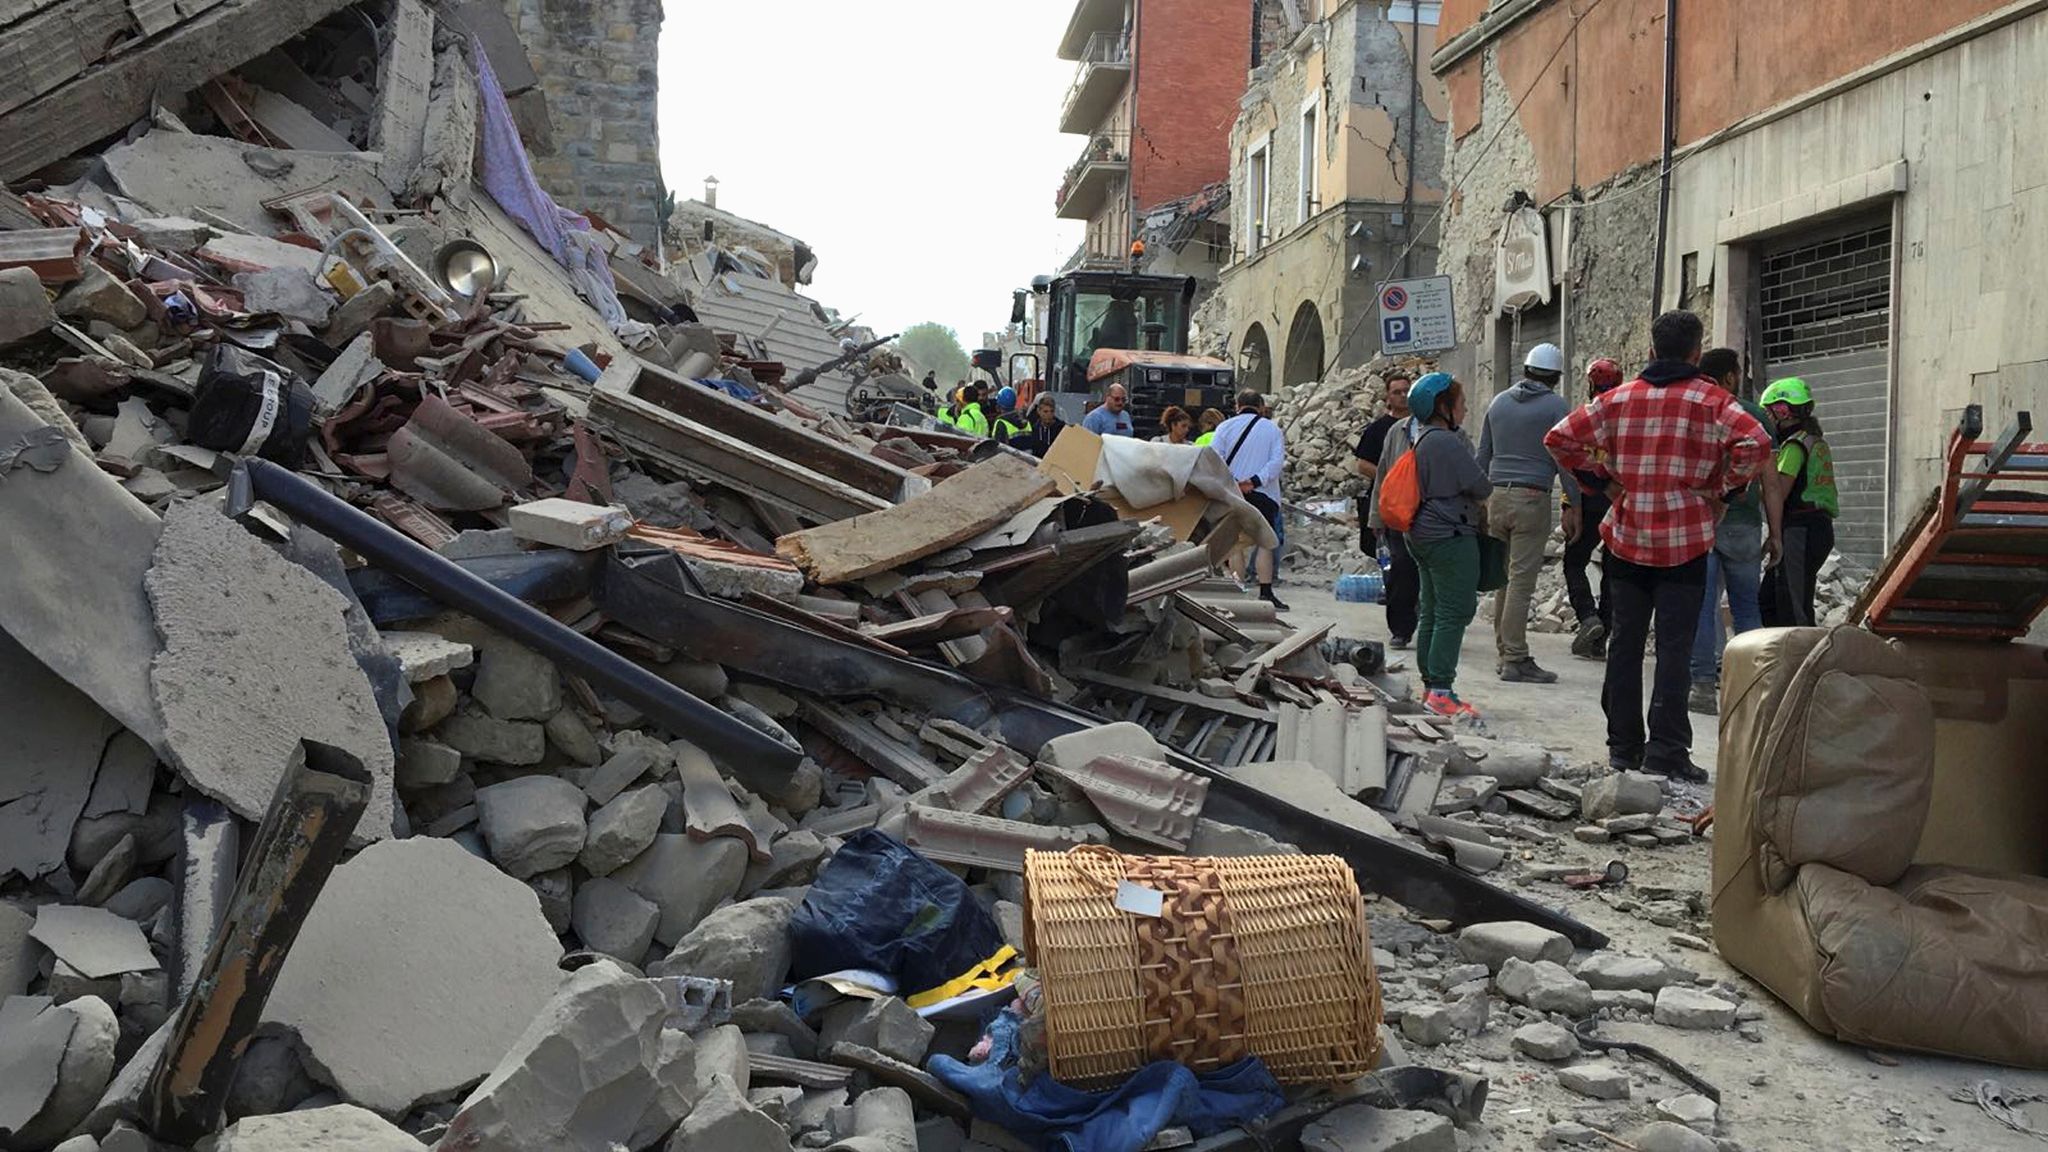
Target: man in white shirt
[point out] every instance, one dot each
(1256, 451)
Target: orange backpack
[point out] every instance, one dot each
(1400, 490)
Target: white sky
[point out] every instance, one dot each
(914, 144)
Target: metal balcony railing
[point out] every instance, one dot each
(1104, 50)
(1103, 148)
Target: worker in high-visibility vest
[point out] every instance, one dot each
(1008, 421)
(973, 418)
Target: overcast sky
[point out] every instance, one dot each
(914, 144)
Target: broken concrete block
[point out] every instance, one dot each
(1493, 943)
(1692, 1110)
(518, 743)
(746, 943)
(1621, 794)
(579, 1078)
(1545, 1041)
(173, 233)
(1307, 787)
(1623, 1001)
(93, 941)
(622, 829)
(20, 956)
(722, 1051)
(291, 293)
(793, 860)
(82, 1074)
(1362, 1128)
(1468, 1010)
(100, 296)
(425, 764)
(733, 581)
(775, 1016)
(884, 1120)
(109, 874)
(532, 824)
(253, 665)
(358, 312)
(46, 776)
(1427, 1024)
(25, 309)
(126, 778)
(724, 1121)
(1591, 834)
(888, 1026)
(570, 736)
(1212, 838)
(1682, 1007)
(513, 682)
(613, 919)
(685, 879)
(417, 969)
(1665, 1136)
(634, 754)
(425, 655)
(1611, 971)
(569, 524)
(1599, 1080)
(1076, 749)
(34, 1034)
(340, 1128)
(1544, 986)
(432, 702)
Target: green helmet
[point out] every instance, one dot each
(1791, 390)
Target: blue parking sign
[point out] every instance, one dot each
(1395, 330)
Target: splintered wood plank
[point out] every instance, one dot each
(958, 509)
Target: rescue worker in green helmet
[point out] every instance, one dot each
(1801, 502)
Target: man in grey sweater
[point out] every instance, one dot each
(1518, 513)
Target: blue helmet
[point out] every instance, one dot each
(1424, 394)
(1007, 398)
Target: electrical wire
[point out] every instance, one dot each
(1450, 193)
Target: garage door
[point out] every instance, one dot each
(1825, 304)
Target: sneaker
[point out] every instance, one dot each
(1400, 642)
(1441, 703)
(1591, 640)
(1705, 698)
(1526, 671)
(1266, 594)
(1685, 771)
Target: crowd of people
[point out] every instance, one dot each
(1690, 492)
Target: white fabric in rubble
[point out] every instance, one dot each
(507, 174)
(1145, 474)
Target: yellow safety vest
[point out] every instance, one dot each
(972, 420)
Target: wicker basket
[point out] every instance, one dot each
(1263, 956)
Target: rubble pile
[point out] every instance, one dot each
(1550, 608)
(1322, 420)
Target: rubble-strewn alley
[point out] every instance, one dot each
(474, 680)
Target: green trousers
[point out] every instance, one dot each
(1449, 573)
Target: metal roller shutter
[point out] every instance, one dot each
(1825, 307)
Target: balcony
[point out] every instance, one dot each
(1087, 185)
(1090, 17)
(1098, 82)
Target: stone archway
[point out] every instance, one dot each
(1304, 346)
(1255, 360)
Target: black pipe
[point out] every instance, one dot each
(728, 740)
(1414, 130)
(1664, 169)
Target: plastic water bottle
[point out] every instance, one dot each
(1360, 588)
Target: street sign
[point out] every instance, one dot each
(1416, 316)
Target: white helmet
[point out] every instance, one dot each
(1545, 358)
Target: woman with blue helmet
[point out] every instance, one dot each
(1444, 537)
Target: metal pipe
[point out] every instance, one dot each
(1664, 168)
(1414, 130)
(729, 740)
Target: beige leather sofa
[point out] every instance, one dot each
(1881, 837)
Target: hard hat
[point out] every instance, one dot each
(1603, 374)
(1007, 398)
(1791, 390)
(1422, 397)
(1545, 358)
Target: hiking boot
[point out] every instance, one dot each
(1266, 594)
(1400, 642)
(1526, 671)
(1705, 698)
(1684, 771)
(1591, 642)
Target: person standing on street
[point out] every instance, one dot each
(1444, 537)
(1255, 450)
(1518, 513)
(1736, 563)
(1399, 590)
(1046, 427)
(1670, 445)
(1112, 419)
(1590, 642)
(1802, 503)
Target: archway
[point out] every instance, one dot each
(1304, 346)
(1255, 360)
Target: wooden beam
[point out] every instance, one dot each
(959, 509)
(107, 99)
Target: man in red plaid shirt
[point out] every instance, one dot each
(1672, 444)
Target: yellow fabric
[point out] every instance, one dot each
(985, 976)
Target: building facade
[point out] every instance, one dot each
(1155, 88)
(1336, 149)
(1860, 217)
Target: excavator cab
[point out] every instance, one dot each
(1104, 328)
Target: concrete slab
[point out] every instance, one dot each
(33, 1036)
(533, 824)
(252, 665)
(127, 776)
(424, 655)
(83, 1070)
(93, 940)
(338, 1128)
(56, 737)
(418, 968)
(20, 956)
(1308, 788)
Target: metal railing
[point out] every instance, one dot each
(1105, 49)
(1102, 148)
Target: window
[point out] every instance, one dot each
(1258, 199)
(1310, 141)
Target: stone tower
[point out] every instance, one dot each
(601, 149)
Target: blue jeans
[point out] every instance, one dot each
(1741, 581)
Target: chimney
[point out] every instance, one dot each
(711, 191)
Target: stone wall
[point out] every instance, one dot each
(596, 60)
